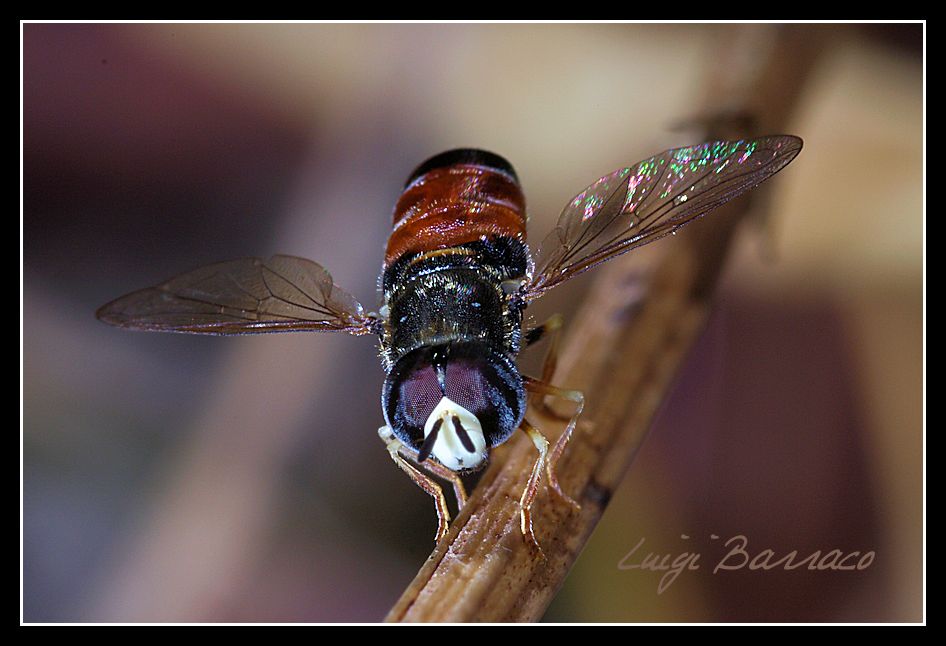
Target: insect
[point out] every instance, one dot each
(456, 278)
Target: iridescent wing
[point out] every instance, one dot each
(651, 199)
(246, 296)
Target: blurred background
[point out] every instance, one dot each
(185, 478)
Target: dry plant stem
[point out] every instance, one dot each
(623, 354)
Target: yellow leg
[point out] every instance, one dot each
(532, 486)
(395, 447)
(437, 469)
(431, 466)
(543, 389)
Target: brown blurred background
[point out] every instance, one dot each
(178, 478)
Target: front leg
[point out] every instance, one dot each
(432, 466)
(398, 451)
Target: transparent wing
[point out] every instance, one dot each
(246, 296)
(642, 203)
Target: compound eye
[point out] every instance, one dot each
(420, 394)
(466, 385)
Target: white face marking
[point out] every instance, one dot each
(448, 449)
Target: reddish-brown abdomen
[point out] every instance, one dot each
(453, 205)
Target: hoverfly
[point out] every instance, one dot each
(456, 277)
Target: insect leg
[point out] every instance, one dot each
(423, 481)
(532, 486)
(542, 388)
(432, 467)
(551, 328)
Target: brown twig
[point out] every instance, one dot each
(624, 357)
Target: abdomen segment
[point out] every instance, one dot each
(454, 198)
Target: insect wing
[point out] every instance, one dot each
(246, 296)
(653, 198)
